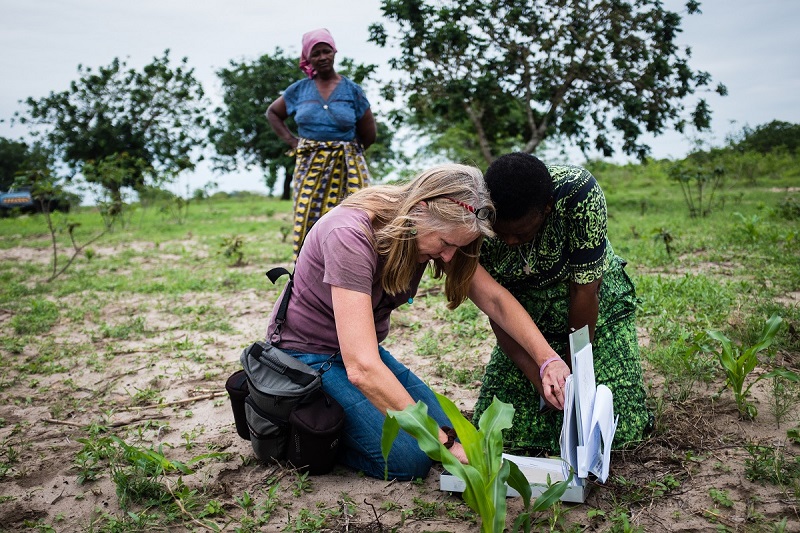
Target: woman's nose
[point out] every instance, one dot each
(447, 254)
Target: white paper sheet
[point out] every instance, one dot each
(604, 425)
(569, 429)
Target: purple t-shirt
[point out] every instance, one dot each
(336, 252)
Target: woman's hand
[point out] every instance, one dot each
(458, 451)
(276, 116)
(553, 380)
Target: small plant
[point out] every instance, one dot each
(232, 248)
(176, 208)
(720, 497)
(664, 235)
(91, 460)
(699, 179)
(785, 398)
(302, 484)
(683, 363)
(460, 376)
(44, 185)
(487, 473)
(620, 522)
(749, 224)
(789, 208)
(39, 317)
(738, 362)
(771, 464)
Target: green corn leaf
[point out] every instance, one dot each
(768, 333)
(552, 494)
(491, 424)
(415, 421)
(784, 373)
(519, 482)
(497, 493)
(522, 523)
(390, 430)
(469, 437)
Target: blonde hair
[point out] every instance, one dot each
(398, 211)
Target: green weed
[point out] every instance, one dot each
(683, 363)
(462, 375)
(38, 316)
(302, 484)
(772, 465)
(739, 361)
(232, 248)
(785, 398)
(720, 497)
(133, 327)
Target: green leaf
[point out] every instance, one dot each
(493, 421)
(518, 481)
(468, 436)
(553, 494)
(390, 430)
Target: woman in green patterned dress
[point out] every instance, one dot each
(552, 253)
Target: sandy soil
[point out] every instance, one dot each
(669, 482)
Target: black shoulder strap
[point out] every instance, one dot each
(273, 275)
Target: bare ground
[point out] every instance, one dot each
(164, 386)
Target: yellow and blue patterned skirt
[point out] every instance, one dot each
(326, 172)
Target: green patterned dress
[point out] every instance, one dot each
(571, 246)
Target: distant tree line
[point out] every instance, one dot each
(476, 79)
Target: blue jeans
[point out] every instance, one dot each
(364, 423)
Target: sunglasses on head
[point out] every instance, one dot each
(481, 213)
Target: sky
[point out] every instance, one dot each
(751, 47)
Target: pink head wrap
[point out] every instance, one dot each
(309, 40)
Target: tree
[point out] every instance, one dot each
(13, 155)
(517, 72)
(150, 123)
(769, 137)
(242, 132)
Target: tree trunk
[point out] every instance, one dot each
(116, 201)
(288, 174)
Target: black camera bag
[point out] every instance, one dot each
(281, 403)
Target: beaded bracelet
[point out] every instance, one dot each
(544, 365)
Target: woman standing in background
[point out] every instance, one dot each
(335, 126)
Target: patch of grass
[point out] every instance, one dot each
(461, 375)
(133, 327)
(771, 465)
(683, 363)
(37, 316)
(720, 497)
(428, 344)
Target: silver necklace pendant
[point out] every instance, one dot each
(526, 268)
